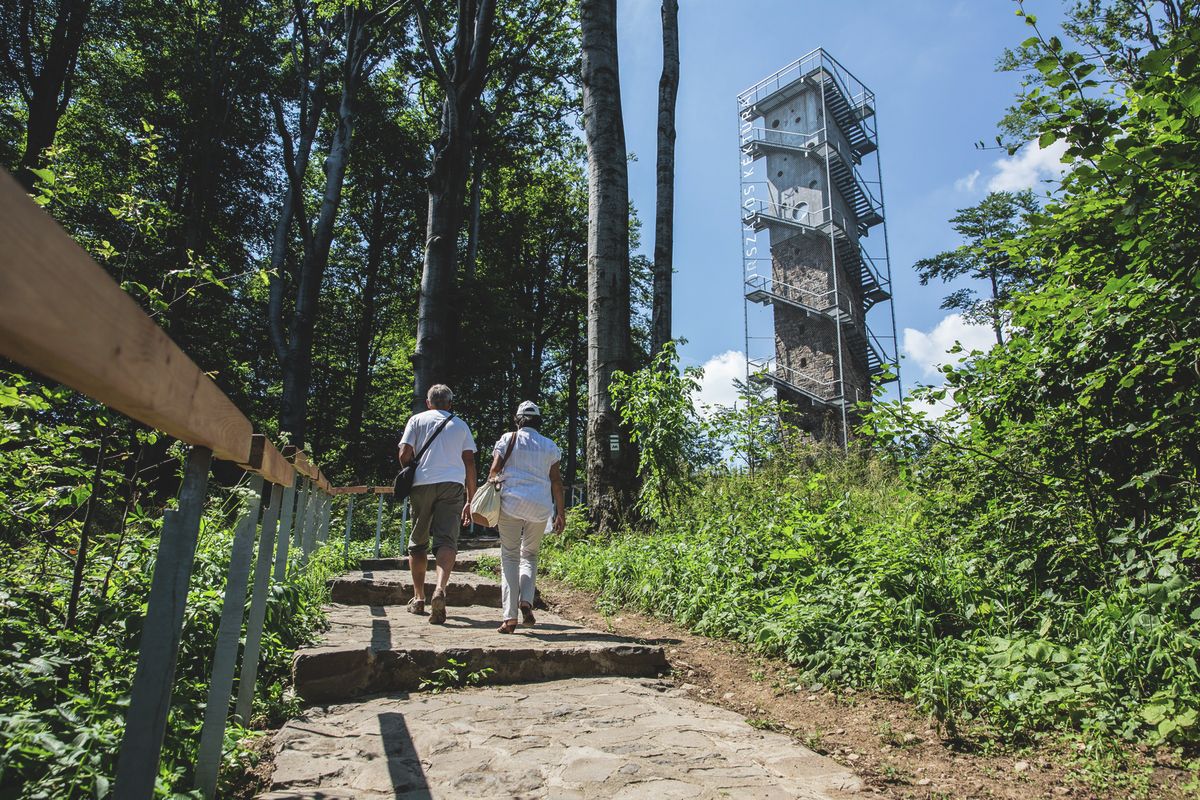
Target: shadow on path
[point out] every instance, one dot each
(404, 765)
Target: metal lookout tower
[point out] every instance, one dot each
(811, 196)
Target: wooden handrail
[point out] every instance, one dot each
(350, 490)
(62, 315)
(266, 460)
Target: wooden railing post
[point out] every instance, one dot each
(258, 606)
(286, 518)
(150, 700)
(220, 685)
(349, 525)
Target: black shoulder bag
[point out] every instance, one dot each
(402, 486)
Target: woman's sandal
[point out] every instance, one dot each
(508, 626)
(527, 614)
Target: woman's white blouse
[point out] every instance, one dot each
(525, 479)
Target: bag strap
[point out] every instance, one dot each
(507, 452)
(425, 446)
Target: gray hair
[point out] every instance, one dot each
(440, 396)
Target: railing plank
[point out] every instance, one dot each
(258, 605)
(150, 700)
(62, 315)
(229, 631)
(287, 518)
(349, 526)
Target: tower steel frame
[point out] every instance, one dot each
(845, 140)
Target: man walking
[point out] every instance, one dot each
(440, 503)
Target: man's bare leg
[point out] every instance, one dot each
(445, 564)
(417, 565)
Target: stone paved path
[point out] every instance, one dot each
(564, 719)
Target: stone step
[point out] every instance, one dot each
(394, 587)
(465, 560)
(589, 739)
(372, 649)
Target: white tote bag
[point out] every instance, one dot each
(485, 505)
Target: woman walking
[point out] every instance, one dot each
(526, 464)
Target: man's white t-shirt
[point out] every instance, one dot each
(442, 462)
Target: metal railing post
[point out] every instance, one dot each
(349, 525)
(286, 517)
(220, 687)
(378, 525)
(150, 699)
(258, 606)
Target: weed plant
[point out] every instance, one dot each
(65, 675)
(835, 566)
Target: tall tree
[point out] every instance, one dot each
(461, 74)
(40, 49)
(664, 213)
(986, 227)
(361, 31)
(611, 463)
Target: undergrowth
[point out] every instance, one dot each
(837, 568)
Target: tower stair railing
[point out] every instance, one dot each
(770, 369)
(849, 181)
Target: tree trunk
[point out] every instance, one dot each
(297, 375)
(611, 462)
(49, 91)
(297, 346)
(462, 79)
(469, 263)
(436, 318)
(664, 212)
(573, 414)
(996, 326)
(365, 334)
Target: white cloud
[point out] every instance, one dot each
(929, 350)
(719, 373)
(966, 184)
(1029, 166)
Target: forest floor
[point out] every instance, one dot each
(897, 751)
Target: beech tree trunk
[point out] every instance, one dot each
(44, 79)
(364, 335)
(664, 212)
(462, 80)
(611, 461)
(295, 344)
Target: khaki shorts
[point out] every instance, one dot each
(437, 514)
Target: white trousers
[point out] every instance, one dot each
(520, 540)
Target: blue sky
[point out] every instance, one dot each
(931, 64)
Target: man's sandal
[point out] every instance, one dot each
(437, 608)
(508, 626)
(416, 606)
(527, 614)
